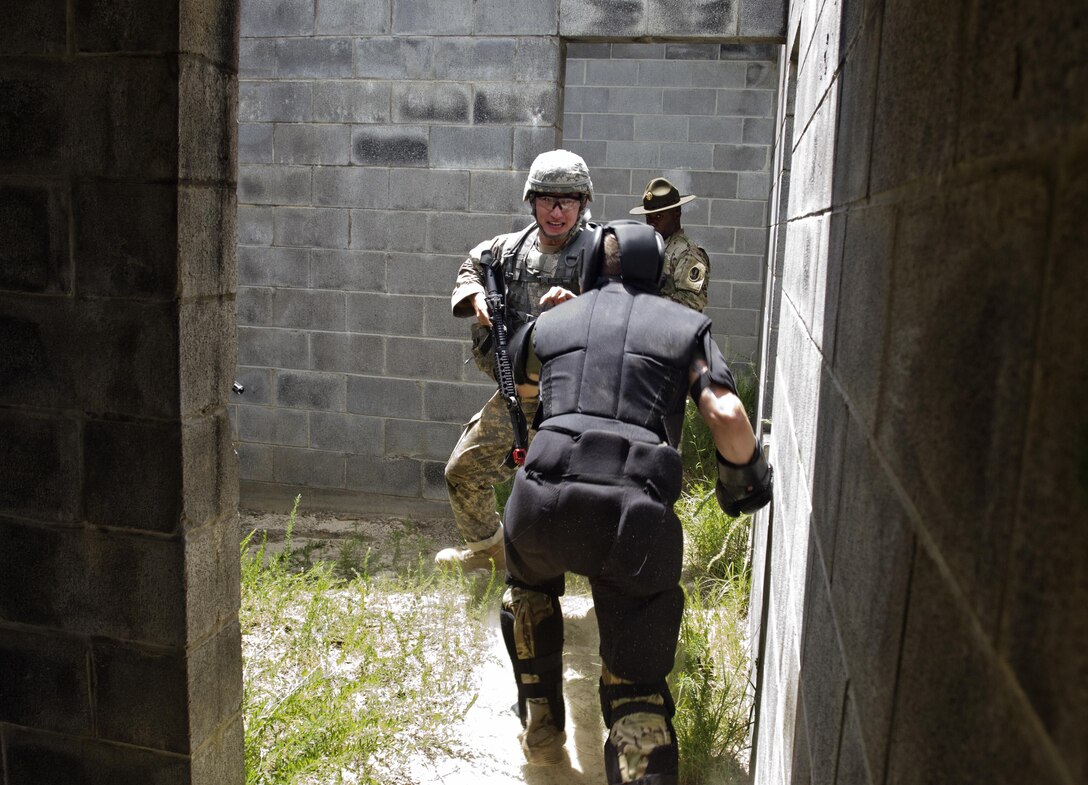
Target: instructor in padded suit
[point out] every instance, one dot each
(596, 494)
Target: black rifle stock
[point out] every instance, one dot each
(504, 373)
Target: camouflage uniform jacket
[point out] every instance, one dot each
(686, 276)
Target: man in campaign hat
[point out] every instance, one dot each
(686, 276)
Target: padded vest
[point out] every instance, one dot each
(614, 354)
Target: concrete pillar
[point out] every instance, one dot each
(119, 640)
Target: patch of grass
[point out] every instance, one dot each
(346, 678)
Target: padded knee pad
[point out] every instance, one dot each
(641, 747)
(532, 627)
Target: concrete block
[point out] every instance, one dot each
(538, 59)
(310, 228)
(577, 98)
(693, 101)
(992, 234)
(499, 17)
(694, 156)
(735, 212)
(717, 240)
(435, 17)
(715, 129)
(253, 306)
(212, 575)
(761, 76)
(87, 582)
(385, 397)
(471, 147)
(521, 104)
(762, 20)
(918, 100)
(988, 716)
(370, 230)
(741, 158)
(658, 128)
(129, 712)
(275, 102)
(631, 155)
(34, 249)
(350, 270)
(258, 266)
(346, 433)
(254, 226)
(384, 314)
(454, 403)
(751, 241)
(434, 480)
(854, 127)
(124, 29)
(125, 239)
(663, 73)
(620, 72)
(490, 192)
(46, 682)
(745, 103)
(312, 143)
(256, 59)
(312, 468)
(288, 427)
(595, 154)
(430, 102)
(475, 59)
(347, 353)
(393, 477)
(258, 383)
(308, 309)
(353, 17)
(608, 18)
(691, 51)
(207, 121)
(759, 131)
(452, 233)
(278, 185)
(869, 583)
(223, 752)
(719, 73)
(343, 101)
(277, 18)
(301, 390)
(438, 322)
(254, 143)
(423, 358)
(700, 17)
(215, 683)
(114, 453)
(394, 58)
(350, 186)
(754, 185)
(613, 127)
(407, 230)
(35, 28)
(34, 756)
(255, 462)
(530, 142)
(420, 439)
(709, 185)
(393, 146)
(853, 765)
(1042, 621)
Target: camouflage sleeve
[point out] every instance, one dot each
(470, 281)
(688, 278)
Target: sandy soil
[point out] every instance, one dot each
(491, 753)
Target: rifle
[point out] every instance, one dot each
(495, 286)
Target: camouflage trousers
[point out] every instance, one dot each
(476, 466)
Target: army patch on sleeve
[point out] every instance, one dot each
(692, 279)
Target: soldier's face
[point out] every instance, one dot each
(665, 222)
(556, 214)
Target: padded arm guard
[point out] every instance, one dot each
(744, 489)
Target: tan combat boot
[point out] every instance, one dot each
(542, 741)
(471, 561)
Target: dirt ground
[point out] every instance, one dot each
(491, 725)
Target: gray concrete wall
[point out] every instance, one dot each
(378, 142)
(119, 640)
(922, 577)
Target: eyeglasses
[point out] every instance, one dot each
(565, 203)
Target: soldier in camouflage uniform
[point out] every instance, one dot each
(541, 265)
(686, 276)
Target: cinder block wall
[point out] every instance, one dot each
(120, 651)
(924, 576)
(378, 142)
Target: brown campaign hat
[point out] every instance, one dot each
(660, 195)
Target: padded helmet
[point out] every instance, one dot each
(642, 256)
(558, 172)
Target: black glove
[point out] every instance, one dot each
(744, 489)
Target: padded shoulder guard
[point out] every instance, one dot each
(523, 359)
(716, 371)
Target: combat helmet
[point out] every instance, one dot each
(558, 172)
